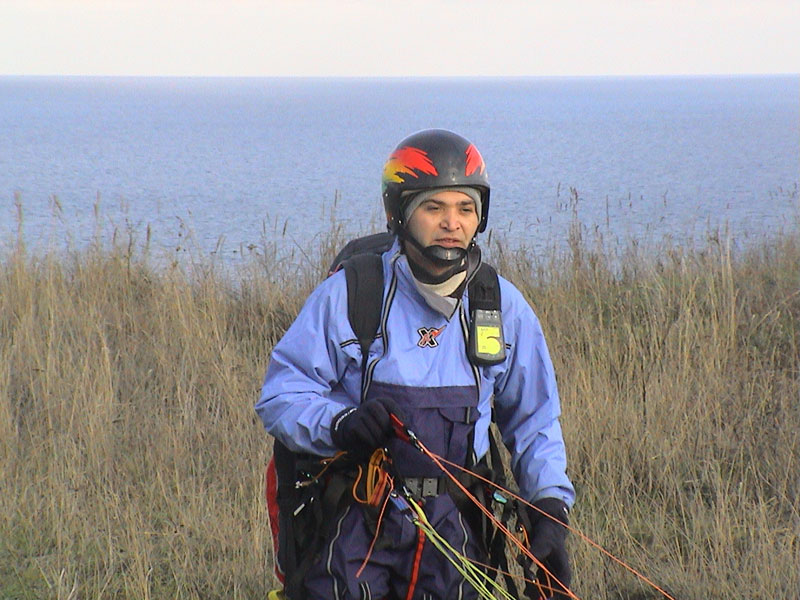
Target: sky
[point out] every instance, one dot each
(394, 38)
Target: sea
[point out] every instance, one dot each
(231, 166)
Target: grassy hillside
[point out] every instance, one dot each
(131, 461)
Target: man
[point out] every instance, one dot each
(426, 367)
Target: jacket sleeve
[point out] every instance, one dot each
(527, 407)
(306, 364)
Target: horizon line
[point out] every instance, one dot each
(406, 77)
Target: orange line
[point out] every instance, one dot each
(377, 534)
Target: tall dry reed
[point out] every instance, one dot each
(131, 461)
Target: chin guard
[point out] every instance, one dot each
(444, 257)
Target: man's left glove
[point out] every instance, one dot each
(547, 543)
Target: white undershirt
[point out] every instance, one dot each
(437, 295)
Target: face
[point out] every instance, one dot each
(447, 219)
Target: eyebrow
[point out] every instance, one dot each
(465, 202)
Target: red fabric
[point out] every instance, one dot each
(272, 512)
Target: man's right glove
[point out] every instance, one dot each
(361, 430)
(547, 543)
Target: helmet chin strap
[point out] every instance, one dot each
(453, 260)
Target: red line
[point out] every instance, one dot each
(417, 559)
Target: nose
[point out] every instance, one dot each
(450, 219)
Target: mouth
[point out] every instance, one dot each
(449, 243)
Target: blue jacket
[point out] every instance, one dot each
(420, 359)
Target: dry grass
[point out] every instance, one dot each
(131, 462)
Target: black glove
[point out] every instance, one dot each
(361, 430)
(546, 538)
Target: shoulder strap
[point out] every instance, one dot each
(364, 273)
(376, 243)
(484, 289)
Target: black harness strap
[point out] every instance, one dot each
(484, 289)
(364, 273)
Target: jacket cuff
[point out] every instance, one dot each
(336, 424)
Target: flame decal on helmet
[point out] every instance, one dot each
(474, 161)
(406, 161)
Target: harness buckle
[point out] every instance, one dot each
(425, 487)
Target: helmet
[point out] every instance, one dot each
(429, 159)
